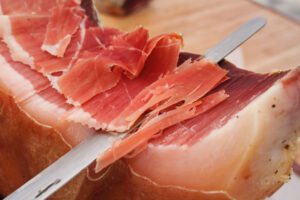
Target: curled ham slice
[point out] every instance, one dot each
(186, 84)
(81, 85)
(104, 55)
(126, 54)
(163, 60)
(63, 24)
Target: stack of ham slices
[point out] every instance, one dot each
(194, 129)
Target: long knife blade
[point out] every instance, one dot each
(65, 168)
(234, 40)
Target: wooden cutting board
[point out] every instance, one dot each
(203, 23)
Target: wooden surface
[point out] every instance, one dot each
(203, 23)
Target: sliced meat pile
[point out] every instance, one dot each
(186, 117)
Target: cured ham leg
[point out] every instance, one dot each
(199, 131)
(139, 179)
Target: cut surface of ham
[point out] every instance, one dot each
(35, 96)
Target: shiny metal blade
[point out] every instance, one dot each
(234, 40)
(64, 169)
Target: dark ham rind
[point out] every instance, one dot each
(27, 147)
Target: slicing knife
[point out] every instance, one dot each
(77, 159)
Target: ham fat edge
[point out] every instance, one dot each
(191, 125)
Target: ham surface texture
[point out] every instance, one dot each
(192, 129)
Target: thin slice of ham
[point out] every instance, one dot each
(31, 7)
(106, 58)
(24, 37)
(186, 84)
(125, 52)
(64, 16)
(64, 22)
(162, 60)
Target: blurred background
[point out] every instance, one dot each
(203, 23)
(290, 8)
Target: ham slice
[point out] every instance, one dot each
(109, 63)
(64, 22)
(103, 56)
(25, 46)
(188, 83)
(65, 17)
(32, 7)
(163, 59)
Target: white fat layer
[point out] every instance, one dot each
(78, 115)
(16, 50)
(241, 157)
(20, 88)
(55, 48)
